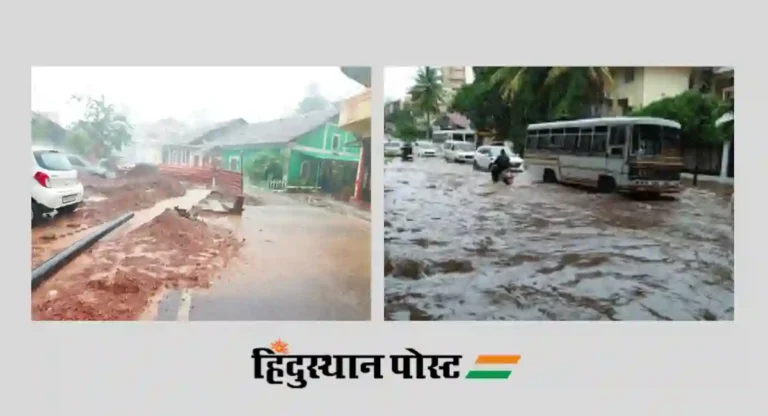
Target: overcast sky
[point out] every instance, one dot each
(202, 94)
(398, 79)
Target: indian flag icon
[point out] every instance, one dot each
(493, 367)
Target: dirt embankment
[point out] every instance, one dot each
(105, 199)
(117, 279)
(118, 197)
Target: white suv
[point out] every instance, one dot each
(458, 152)
(54, 183)
(486, 155)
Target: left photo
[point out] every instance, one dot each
(201, 194)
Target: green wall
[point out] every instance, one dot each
(320, 138)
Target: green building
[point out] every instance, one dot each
(304, 152)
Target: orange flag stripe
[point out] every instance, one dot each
(497, 359)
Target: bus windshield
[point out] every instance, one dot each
(654, 140)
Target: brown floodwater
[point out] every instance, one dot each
(461, 248)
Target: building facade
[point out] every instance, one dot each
(355, 116)
(453, 77)
(636, 87)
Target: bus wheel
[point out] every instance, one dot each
(549, 176)
(606, 184)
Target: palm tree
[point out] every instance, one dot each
(427, 94)
(565, 91)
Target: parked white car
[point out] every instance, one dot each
(393, 148)
(485, 155)
(55, 186)
(425, 148)
(459, 152)
(83, 167)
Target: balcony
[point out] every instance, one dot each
(361, 74)
(355, 115)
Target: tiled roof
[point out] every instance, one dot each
(282, 130)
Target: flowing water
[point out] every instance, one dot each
(461, 248)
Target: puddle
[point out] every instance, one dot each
(187, 201)
(95, 198)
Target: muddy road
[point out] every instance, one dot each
(460, 248)
(185, 257)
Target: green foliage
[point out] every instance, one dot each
(102, 128)
(79, 142)
(427, 93)
(265, 166)
(404, 124)
(695, 111)
(40, 129)
(313, 101)
(505, 100)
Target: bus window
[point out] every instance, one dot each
(646, 140)
(617, 140)
(532, 139)
(544, 139)
(571, 137)
(600, 139)
(585, 139)
(557, 138)
(618, 135)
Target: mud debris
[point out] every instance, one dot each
(116, 280)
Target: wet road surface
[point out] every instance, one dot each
(461, 248)
(297, 263)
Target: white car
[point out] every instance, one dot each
(118, 163)
(55, 186)
(393, 148)
(485, 155)
(425, 149)
(459, 152)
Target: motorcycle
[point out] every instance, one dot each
(507, 176)
(407, 152)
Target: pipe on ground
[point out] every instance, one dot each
(61, 259)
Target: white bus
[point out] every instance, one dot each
(626, 154)
(442, 136)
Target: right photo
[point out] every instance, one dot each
(559, 193)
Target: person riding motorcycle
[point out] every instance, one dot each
(501, 164)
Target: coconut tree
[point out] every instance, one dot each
(427, 94)
(557, 92)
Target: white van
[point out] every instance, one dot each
(55, 186)
(460, 152)
(393, 148)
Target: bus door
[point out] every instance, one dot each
(616, 151)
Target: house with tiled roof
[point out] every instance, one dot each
(188, 148)
(306, 151)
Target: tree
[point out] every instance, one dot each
(102, 130)
(313, 101)
(266, 166)
(404, 124)
(40, 129)
(697, 113)
(79, 141)
(427, 94)
(554, 93)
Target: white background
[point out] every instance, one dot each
(134, 369)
